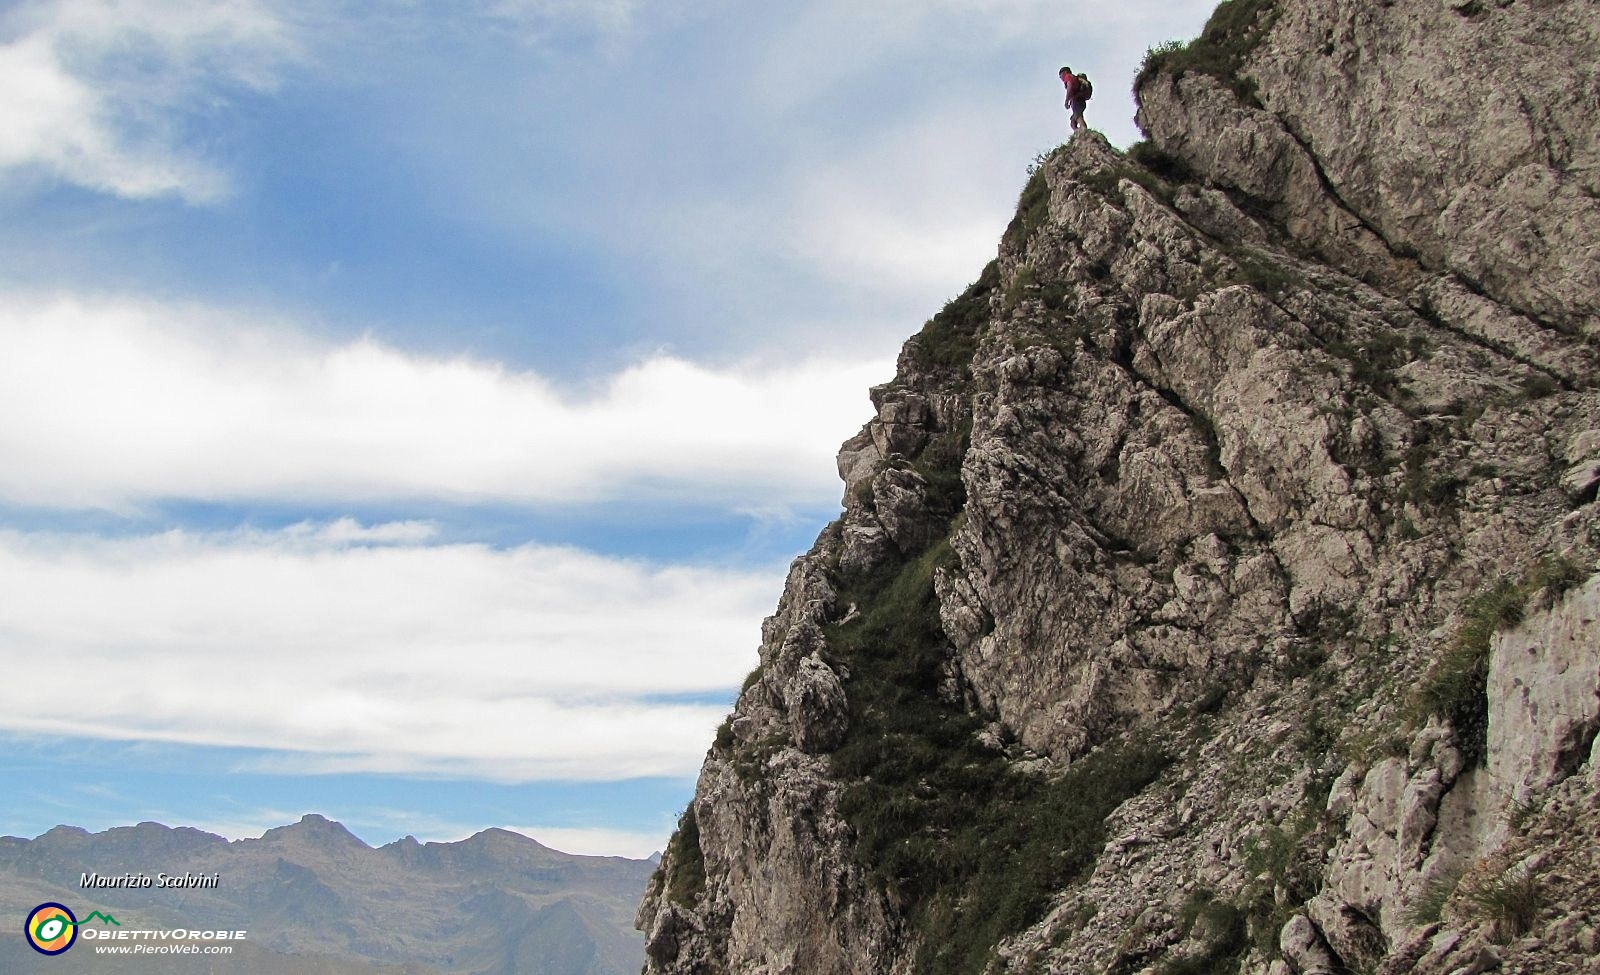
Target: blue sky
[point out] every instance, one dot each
(408, 410)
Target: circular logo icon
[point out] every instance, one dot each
(51, 929)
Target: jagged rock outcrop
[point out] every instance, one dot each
(1213, 591)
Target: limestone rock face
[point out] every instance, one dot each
(777, 890)
(1451, 132)
(818, 718)
(1269, 452)
(1543, 677)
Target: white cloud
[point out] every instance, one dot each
(353, 649)
(887, 226)
(95, 87)
(112, 404)
(599, 842)
(607, 16)
(906, 213)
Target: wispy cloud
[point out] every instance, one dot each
(97, 90)
(341, 654)
(901, 213)
(113, 404)
(538, 16)
(636, 844)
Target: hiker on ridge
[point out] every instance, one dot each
(1079, 91)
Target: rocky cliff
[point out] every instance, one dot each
(1214, 587)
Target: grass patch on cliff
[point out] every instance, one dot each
(1108, 182)
(940, 467)
(1286, 861)
(1375, 358)
(1456, 687)
(1266, 275)
(1428, 478)
(1427, 907)
(1234, 30)
(948, 341)
(969, 848)
(1509, 901)
(1033, 208)
(1024, 281)
(1222, 931)
(687, 879)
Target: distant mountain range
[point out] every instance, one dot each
(315, 900)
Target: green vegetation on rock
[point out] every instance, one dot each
(1428, 906)
(949, 339)
(687, 881)
(1456, 687)
(1286, 860)
(1222, 930)
(1033, 208)
(1234, 30)
(970, 847)
(1108, 182)
(1166, 166)
(1375, 359)
(1509, 901)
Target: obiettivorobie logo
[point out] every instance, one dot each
(52, 928)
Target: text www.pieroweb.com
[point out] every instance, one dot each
(163, 949)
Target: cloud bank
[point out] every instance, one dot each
(110, 405)
(350, 648)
